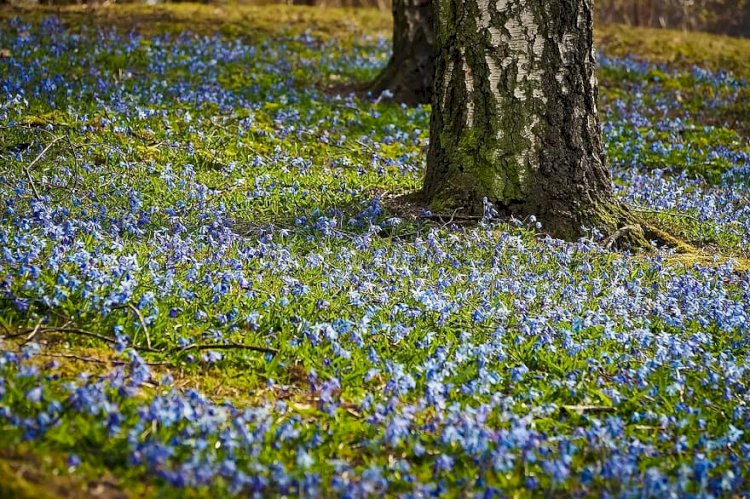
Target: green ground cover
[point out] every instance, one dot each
(207, 289)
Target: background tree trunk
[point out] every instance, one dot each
(410, 70)
(514, 116)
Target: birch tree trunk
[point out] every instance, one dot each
(410, 70)
(514, 116)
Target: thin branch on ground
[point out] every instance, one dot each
(404, 235)
(95, 360)
(138, 313)
(450, 218)
(148, 349)
(223, 346)
(580, 409)
(610, 241)
(663, 212)
(64, 329)
(36, 129)
(27, 169)
(31, 336)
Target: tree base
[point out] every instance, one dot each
(619, 228)
(408, 84)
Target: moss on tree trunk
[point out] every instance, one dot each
(514, 115)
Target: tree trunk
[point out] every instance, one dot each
(514, 116)
(409, 72)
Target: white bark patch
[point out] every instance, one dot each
(469, 82)
(495, 74)
(526, 46)
(591, 122)
(521, 40)
(484, 13)
(567, 49)
(495, 36)
(446, 81)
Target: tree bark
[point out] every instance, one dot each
(409, 72)
(514, 116)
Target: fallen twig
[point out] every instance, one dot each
(149, 349)
(663, 212)
(404, 235)
(647, 428)
(27, 169)
(63, 329)
(366, 147)
(94, 360)
(33, 332)
(619, 233)
(451, 218)
(140, 319)
(223, 346)
(580, 409)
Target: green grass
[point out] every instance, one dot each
(233, 154)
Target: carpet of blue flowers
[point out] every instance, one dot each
(202, 214)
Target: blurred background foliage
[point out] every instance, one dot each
(729, 17)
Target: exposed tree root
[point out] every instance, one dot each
(666, 239)
(622, 229)
(619, 233)
(626, 231)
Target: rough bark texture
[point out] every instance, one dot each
(514, 116)
(410, 70)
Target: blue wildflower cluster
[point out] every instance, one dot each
(162, 194)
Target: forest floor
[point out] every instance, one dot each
(203, 292)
